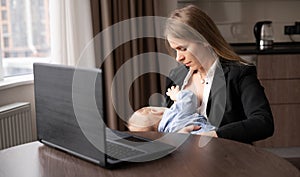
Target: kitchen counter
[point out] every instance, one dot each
(278, 48)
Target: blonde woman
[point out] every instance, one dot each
(227, 88)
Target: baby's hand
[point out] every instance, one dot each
(172, 92)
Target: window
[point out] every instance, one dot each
(4, 15)
(3, 2)
(4, 29)
(6, 42)
(25, 35)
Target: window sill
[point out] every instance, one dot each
(15, 81)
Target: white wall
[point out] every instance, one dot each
(236, 18)
(21, 93)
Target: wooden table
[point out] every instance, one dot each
(219, 158)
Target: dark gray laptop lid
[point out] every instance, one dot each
(66, 99)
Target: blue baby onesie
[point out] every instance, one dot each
(183, 113)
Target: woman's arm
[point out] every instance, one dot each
(258, 124)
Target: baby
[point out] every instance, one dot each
(146, 119)
(181, 114)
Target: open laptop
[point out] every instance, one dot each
(69, 113)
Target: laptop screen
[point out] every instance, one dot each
(69, 109)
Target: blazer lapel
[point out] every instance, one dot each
(217, 97)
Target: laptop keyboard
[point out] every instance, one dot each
(116, 151)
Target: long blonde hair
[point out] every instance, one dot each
(203, 25)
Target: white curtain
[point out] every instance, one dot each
(71, 33)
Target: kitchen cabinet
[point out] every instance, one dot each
(280, 76)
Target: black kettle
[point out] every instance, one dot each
(263, 32)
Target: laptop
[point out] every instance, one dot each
(70, 109)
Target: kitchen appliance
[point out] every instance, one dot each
(263, 32)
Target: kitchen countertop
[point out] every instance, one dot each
(278, 48)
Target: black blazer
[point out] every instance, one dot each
(237, 103)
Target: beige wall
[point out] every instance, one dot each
(21, 93)
(236, 18)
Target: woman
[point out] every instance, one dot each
(228, 90)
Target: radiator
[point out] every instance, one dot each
(15, 124)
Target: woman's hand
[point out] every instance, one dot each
(210, 133)
(189, 129)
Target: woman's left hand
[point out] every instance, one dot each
(189, 129)
(210, 133)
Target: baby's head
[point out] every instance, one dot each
(146, 119)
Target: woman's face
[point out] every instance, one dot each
(191, 54)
